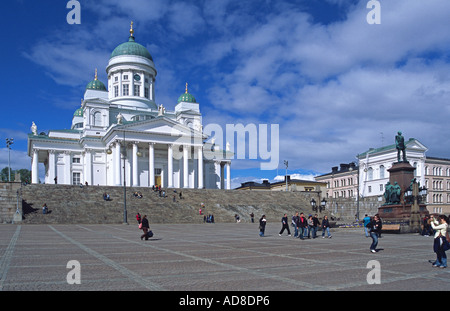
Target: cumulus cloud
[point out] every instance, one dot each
(332, 87)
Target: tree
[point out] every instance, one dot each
(25, 175)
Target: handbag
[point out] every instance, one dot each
(445, 245)
(140, 225)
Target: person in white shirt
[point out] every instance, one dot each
(439, 240)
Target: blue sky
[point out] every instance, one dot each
(336, 85)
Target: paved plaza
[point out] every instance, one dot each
(209, 257)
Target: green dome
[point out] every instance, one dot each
(186, 97)
(78, 112)
(96, 85)
(131, 48)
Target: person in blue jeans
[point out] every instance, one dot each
(375, 227)
(441, 228)
(366, 221)
(325, 227)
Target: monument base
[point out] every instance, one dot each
(400, 212)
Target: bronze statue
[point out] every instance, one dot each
(392, 193)
(400, 145)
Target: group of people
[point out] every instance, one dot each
(436, 226)
(303, 227)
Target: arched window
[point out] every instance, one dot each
(370, 173)
(97, 119)
(381, 171)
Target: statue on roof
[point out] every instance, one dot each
(400, 145)
(33, 128)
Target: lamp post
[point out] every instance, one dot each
(313, 205)
(9, 142)
(323, 204)
(414, 195)
(286, 163)
(124, 156)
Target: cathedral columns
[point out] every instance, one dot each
(135, 165)
(151, 163)
(170, 166)
(228, 166)
(35, 168)
(185, 166)
(200, 167)
(117, 170)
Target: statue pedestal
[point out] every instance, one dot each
(408, 214)
(402, 173)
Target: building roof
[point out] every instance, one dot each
(131, 48)
(186, 97)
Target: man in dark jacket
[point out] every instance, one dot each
(375, 227)
(302, 225)
(285, 225)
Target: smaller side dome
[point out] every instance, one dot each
(78, 112)
(96, 84)
(186, 97)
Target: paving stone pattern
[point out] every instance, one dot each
(209, 257)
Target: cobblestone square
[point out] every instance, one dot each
(210, 257)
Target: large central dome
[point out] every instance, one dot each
(131, 48)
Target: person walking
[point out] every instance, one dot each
(315, 226)
(366, 221)
(262, 225)
(302, 226)
(310, 222)
(285, 225)
(295, 219)
(145, 227)
(375, 227)
(326, 227)
(440, 241)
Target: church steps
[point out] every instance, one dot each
(74, 204)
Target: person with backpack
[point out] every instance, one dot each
(440, 244)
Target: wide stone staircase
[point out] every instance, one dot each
(75, 204)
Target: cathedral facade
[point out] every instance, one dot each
(120, 135)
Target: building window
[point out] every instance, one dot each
(125, 77)
(116, 79)
(370, 173)
(370, 189)
(381, 187)
(116, 91)
(126, 90)
(97, 119)
(137, 90)
(75, 160)
(76, 179)
(146, 93)
(381, 171)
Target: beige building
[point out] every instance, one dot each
(437, 181)
(292, 185)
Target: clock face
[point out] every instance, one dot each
(137, 77)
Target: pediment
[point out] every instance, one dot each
(415, 145)
(159, 126)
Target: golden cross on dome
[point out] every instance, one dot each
(131, 29)
(186, 87)
(95, 74)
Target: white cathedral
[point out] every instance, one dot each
(120, 135)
